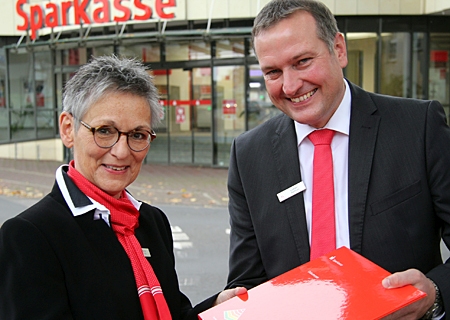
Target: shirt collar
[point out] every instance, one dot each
(78, 202)
(339, 122)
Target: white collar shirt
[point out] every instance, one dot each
(85, 205)
(339, 122)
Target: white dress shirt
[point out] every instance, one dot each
(339, 122)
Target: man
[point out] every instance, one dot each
(390, 158)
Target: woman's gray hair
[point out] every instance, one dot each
(277, 10)
(106, 74)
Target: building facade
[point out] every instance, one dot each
(201, 57)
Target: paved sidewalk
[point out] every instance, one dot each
(156, 184)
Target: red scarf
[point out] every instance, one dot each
(124, 220)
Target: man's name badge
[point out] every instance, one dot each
(146, 252)
(292, 191)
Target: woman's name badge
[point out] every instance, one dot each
(292, 191)
(146, 252)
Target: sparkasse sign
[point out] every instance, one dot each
(76, 12)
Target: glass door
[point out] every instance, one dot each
(439, 73)
(159, 149)
(185, 134)
(229, 112)
(201, 116)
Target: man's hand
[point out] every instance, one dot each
(416, 278)
(228, 294)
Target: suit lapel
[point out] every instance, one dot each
(364, 125)
(102, 249)
(106, 255)
(288, 171)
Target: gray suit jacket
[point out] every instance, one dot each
(399, 192)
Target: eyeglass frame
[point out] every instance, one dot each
(94, 129)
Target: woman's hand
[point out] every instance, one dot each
(228, 294)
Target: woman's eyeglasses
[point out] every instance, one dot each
(107, 136)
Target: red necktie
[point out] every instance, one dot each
(323, 230)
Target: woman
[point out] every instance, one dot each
(89, 250)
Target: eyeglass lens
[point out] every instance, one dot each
(107, 136)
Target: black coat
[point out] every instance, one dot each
(57, 266)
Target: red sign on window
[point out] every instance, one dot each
(439, 55)
(229, 106)
(180, 114)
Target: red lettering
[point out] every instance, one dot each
(51, 14)
(126, 11)
(23, 14)
(160, 6)
(35, 19)
(65, 6)
(101, 14)
(51, 18)
(80, 11)
(147, 11)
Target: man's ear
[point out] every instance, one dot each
(66, 129)
(340, 49)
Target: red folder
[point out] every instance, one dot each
(339, 285)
